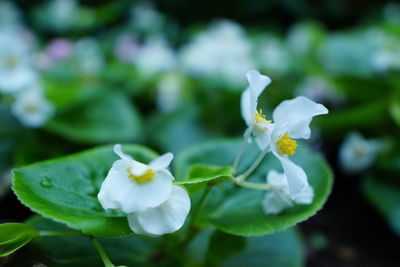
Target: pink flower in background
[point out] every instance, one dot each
(126, 47)
(59, 49)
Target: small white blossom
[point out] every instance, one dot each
(291, 120)
(222, 53)
(145, 192)
(169, 89)
(89, 56)
(272, 56)
(31, 108)
(357, 153)
(154, 57)
(16, 70)
(278, 197)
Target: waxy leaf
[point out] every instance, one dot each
(202, 175)
(65, 189)
(237, 210)
(14, 236)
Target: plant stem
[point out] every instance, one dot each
(106, 260)
(255, 164)
(256, 186)
(57, 233)
(239, 155)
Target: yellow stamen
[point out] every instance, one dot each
(31, 107)
(287, 145)
(260, 117)
(11, 62)
(141, 179)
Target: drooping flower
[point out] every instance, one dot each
(291, 120)
(145, 192)
(165, 218)
(256, 122)
(278, 197)
(357, 153)
(31, 107)
(131, 186)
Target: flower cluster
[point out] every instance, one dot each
(290, 120)
(146, 193)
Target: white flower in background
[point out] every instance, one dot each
(169, 89)
(155, 57)
(31, 108)
(145, 18)
(59, 49)
(319, 89)
(126, 47)
(220, 53)
(357, 153)
(302, 37)
(58, 15)
(256, 122)
(291, 120)
(272, 56)
(278, 197)
(88, 54)
(15, 62)
(146, 193)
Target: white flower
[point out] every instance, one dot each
(15, 63)
(278, 197)
(154, 206)
(155, 57)
(131, 186)
(221, 53)
(357, 153)
(89, 56)
(256, 122)
(169, 89)
(273, 56)
(32, 108)
(164, 219)
(291, 121)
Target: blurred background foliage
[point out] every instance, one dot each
(168, 74)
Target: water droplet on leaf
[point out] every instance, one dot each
(46, 182)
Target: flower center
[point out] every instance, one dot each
(260, 117)
(31, 107)
(141, 179)
(286, 145)
(10, 62)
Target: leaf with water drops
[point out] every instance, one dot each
(65, 189)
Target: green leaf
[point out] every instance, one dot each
(278, 249)
(14, 236)
(199, 176)
(238, 210)
(106, 117)
(386, 198)
(80, 251)
(65, 189)
(223, 245)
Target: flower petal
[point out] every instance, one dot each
(296, 177)
(122, 155)
(294, 116)
(275, 201)
(257, 84)
(122, 193)
(306, 196)
(169, 216)
(245, 108)
(162, 162)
